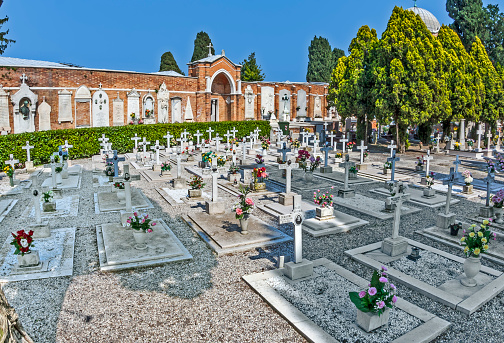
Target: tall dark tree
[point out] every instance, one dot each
(320, 61)
(168, 63)
(4, 42)
(201, 46)
(495, 43)
(250, 71)
(336, 55)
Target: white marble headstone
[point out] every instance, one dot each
(65, 106)
(301, 103)
(163, 102)
(249, 103)
(118, 111)
(176, 107)
(100, 109)
(44, 112)
(133, 103)
(268, 99)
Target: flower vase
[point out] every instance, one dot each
(121, 195)
(467, 189)
(428, 192)
(59, 179)
(385, 171)
(472, 266)
(49, 206)
(352, 175)
(369, 321)
(195, 193)
(258, 186)
(419, 168)
(29, 259)
(498, 214)
(244, 224)
(308, 176)
(11, 180)
(140, 237)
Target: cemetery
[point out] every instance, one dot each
(160, 207)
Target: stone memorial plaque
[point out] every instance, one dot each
(65, 106)
(267, 100)
(249, 103)
(118, 112)
(100, 109)
(133, 103)
(44, 111)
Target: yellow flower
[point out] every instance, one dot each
(484, 240)
(486, 222)
(473, 225)
(480, 234)
(482, 226)
(466, 249)
(477, 251)
(471, 234)
(485, 247)
(462, 239)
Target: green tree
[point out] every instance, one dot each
(201, 46)
(168, 63)
(250, 71)
(4, 42)
(336, 55)
(495, 43)
(320, 61)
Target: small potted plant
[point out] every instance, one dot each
(259, 160)
(454, 228)
(352, 172)
(23, 242)
(350, 146)
(9, 171)
(386, 167)
(468, 179)
(314, 164)
(428, 192)
(206, 159)
(243, 209)
(260, 175)
(121, 194)
(419, 164)
(476, 240)
(498, 200)
(142, 226)
(374, 303)
(470, 143)
(324, 203)
(234, 175)
(338, 158)
(196, 185)
(48, 204)
(165, 168)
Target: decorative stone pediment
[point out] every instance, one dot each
(24, 102)
(83, 94)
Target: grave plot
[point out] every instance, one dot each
(436, 275)
(341, 222)
(458, 191)
(101, 180)
(56, 257)
(72, 182)
(6, 206)
(156, 176)
(299, 183)
(109, 202)
(6, 189)
(222, 232)
(418, 198)
(67, 206)
(371, 206)
(377, 174)
(180, 196)
(339, 177)
(117, 248)
(320, 308)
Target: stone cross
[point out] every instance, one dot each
(180, 140)
(284, 152)
(179, 165)
(217, 142)
(449, 181)
(68, 146)
(127, 178)
(325, 125)
(393, 159)
(326, 157)
(480, 132)
(343, 141)
(136, 139)
(331, 136)
(168, 139)
(244, 150)
(498, 146)
(315, 145)
(215, 175)
(198, 135)
(233, 157)
(209, 46)
(144, 144)
(288, 179)
(427, 159)
(116, 161)
(28, 147)
(157, 147)
(488, 180)
(392, 146)
(456, 163)
(234, 131)
(362, 148)
(53, 172)
(184, 134)
(103, 139)
(23, 78)
(228, 135)
(462, 134)
(489, 137)
(12, 161)
(209, 131)
(399, 196)
(347, 164)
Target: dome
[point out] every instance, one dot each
(428, 18)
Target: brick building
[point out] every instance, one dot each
(38, 95)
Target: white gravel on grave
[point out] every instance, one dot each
(324, 299)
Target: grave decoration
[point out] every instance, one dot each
(419, 163)
(457, 146)
(338, 157)
(314, 164)
(259, 160)
(48, 204)
(295, 144)
(196, 185)
(109, 170)
(486, 211)
(476, 241)
(350, 146)
(188, 153)
(386, 167)
(243, 209)
(23, 242)
(120, 192)
(221, 161)
(428, 192)
(468, 179)
(260, 176)
(352, 172)
(374, 304)
(234, 175)
(470, 143)
(324, 202)
(454, 228)
(490, 166)
(396, 245)
(498, 201)
(9, 171)
(206, 158)
(302, 158)
(165, 167)
(142, 226)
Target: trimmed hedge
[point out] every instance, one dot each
(86, 144)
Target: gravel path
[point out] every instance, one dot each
(205, 300)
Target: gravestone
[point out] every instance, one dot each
(249, 103)
(65, 106)
(267, 100)
(287, 198)
(176, 110)
(118, 111)
(301, 104)
(4, 110)
(168, 137)
(179, 182)
(29, 162)
(209, 131)
(148, 105)
(444, 220)
(362, 149)
(115, 160)
(215, 206)
(346, 192)
(44, 112)
(40, 229)
(326, 168)
(133, 103)
(462, 135)
(480, 133)
(392, 146)
(284, 105)
(317, 108)
(486, 211)
(393, 160)
(396, 245)
(163, 96)
(136, 139)
(100, 109)
(489, 141)
(156, 148)
(24, 107)
(343, 142)
(188, 113)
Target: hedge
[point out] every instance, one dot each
(86, 144)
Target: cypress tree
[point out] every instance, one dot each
(320, 61)
(250, 71)
(336, 55)
(201, 46)
(4, 42)
(168, 63)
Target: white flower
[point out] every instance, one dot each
(23, 242)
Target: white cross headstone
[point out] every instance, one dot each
(144, 144)
(427, 159)
(228, 135)
(315, 145)
(344, 141)
(209, 131)
(362, 148)
(332, 136)
(156, 148)
(296, 217)
(489, 140)
(198, 135)
(397, 200)
(288, 179)
(28, 147)
(215, 175)
(217, 142)
(12, 161)
(234, 131)
(347, 164)
(168, 137)
(480, 132)
(392, 146)
(136, 139)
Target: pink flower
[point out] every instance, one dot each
(249, 201)
(384, 268)
(381, 304)
(372, 291)
(239, 211)
(362, 294)
(146, 216)
(128, 221)
(394, 299)
(153, 224)
(143, 221)
(135, 214)
(149, 230)
(392, 286)
(383, 279)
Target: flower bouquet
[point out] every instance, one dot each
(350, 146)
(119, 185)
(140, 121)
(132, 116)
(221, 161)
(323, 199)
(353, 170)
(476, 239)
(457, 146)
(259, 159)
(245, 205)
(47, 196)
(314, 163)
(22, 241)
(498, 199)
(491, 166)
(8, 170)
(207, 156)
(165, 166)
(148, 113)
(295, 144)
(233, 169)
(265, 143)
(470, 142)
(467, 177)
(339, 155)
(387, 165)
(196, 182)
(420, 161)
(140, 223)
(302, 158)
(376, 300)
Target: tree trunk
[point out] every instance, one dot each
(399, 143)
(11, 329)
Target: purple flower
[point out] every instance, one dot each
(372, 291)
(362, 294)
(392, 286)
(381, 304)
(384, 268)
(394, 299)
(383, 279)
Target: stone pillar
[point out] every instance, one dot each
(462, 134)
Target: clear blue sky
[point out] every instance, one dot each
(132, 35)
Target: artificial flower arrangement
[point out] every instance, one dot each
(365, 154)
(420, 161)
(148, 113)
(265, 143)
(259, 159)
(165, 166)
(187, 151)
(350, 145)
(260, 174)
(498, 198)
(470, 142)
(323, 199)
(233, 169)
(189, 137)
(302, 158)
(353, 170)
(140, 222)
(476, 240)
(207, 156)
(245, 205)
(109, 164)
(279, 160)
(8, 170)
(491, 166)
(109, 171)
(196, 182)
(140, 121)
(221, 161)
(119, 185)
(173, 141)
(58, 169)
(47, 196)
(429, 179)
(21, 165)
(339, 155)
(132, 116)
(467, 177)
(314, 163)
(457, 146)
(379, 295)
(22, 241)
(387, 165)
(295, 144)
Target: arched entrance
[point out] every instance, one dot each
(223, 90)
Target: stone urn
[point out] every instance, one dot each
(258, 186)
(194, 193)
(419, 168)
(369, 321)
(140, 237)
(49, 206)
(244, 223)
(428, 192)
(121, 195)
(324, 213)
(467, 189)
(498, 214)
(352, 176)
(234, 177)
(472, 266)
(308, 176)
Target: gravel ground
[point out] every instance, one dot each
(205, 300)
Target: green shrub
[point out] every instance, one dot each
(86, 144)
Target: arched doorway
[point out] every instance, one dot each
(222, 89)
